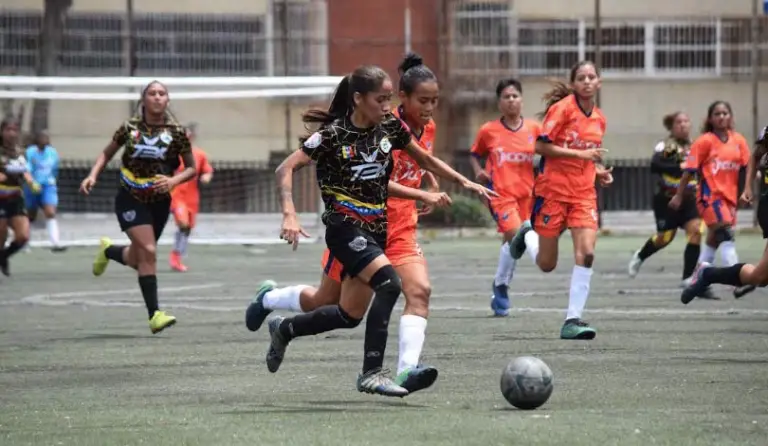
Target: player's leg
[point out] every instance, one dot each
(17, 220)
(693, 229)
(508, 219)
(368, 270)
(539, 237)
(666, 228)
(49, 200)
(181, 215)
(582, 221)
(146, 264)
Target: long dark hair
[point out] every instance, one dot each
(363, 80)
(707, 127)
(560, 90)
(413, 72)
(7, 122)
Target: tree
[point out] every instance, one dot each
(51, 37)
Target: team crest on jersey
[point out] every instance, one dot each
(385, 145)
(166, 137)
(134, 135)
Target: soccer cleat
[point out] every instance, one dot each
(256, 313)
(160, 321)
(101, 261)
(697, 286)
(176, 263)
(416, 378)
(634, 264)
(377, 381)
(5, 268)
(743, 290)
(517, 244)
(500, 300)
(277, 345)
(577, 329)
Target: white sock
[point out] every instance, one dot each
(53, 231)
(707, 253)
(577, 298)
(728, 253)
(506, 266)
(532, 244)
(286, 298)
(413, 331)
(180, 245)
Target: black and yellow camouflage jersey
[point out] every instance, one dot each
(353, 169)
(668, 156)
(13, 165)
(149, 151)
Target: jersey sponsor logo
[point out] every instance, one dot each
(407, 171)
(719, 165)
(505, 157)
(149, 149)
(16, 165)
(370, 169)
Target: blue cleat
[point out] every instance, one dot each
(256, 313)
(517, 244)
(500, 300)
(697, 286)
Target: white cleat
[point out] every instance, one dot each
(634, 265)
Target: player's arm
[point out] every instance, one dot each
(479, 150)
(435, 165)
(696, 158)
(118, 140)
(665, 161)
(284, 172)
(207, 170)
(432, 184)
(187, 159)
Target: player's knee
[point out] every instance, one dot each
(694, 237)
(21, 238)
(347, 321)
(417, 298)
(546, 265)
(664, 238)
(186, 230)
(724, 234)
(386, 283)
(146, 253)
(585, 258)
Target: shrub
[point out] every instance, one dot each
(464, 213)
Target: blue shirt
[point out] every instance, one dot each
(43, 164)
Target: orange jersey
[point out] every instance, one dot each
(189, 192)
(402, 213)
(570, 180)
(509, 154)
(718, 164)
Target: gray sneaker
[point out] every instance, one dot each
(379, 382)
(277, 346)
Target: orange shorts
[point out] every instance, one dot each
(184, 214)
(401, 249)
(550, 218)
(510, 213)
(717, 212)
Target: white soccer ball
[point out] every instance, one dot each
(526, 382)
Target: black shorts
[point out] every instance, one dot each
(353, 247)
(12, 207)
(668, 219)
(762, 215)
(132, 212)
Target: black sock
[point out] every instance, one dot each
(386, 283)
(319, 320)
(148, 285)
(115, 253)
(690, 259)
(648, 249)
(12, 249)
(729, 275)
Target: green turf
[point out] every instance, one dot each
(78, 365)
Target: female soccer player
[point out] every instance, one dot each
(13, 174)
(419, 93)
(154, 142)
(508, 144)
(353, 153)
(667, 163)
(43, 161)
(565, 195)
(717, 156)
(185, 202)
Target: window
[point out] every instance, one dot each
(547, 47)
(685, 46)
(622, 46)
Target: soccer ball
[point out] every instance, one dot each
(526, 382)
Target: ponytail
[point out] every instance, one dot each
(341, 105)
(559, 91)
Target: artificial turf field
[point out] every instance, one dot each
(78, 365)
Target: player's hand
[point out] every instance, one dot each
(36, 187)
(605, 177)
(206, 178)
(482, 177)
(87, 185)
(163, 184)
(676, 201)
(593, 154)
(482, 191)
(434, 200)
(291, 231)
(3, 177)
(747, 196)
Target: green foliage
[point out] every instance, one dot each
(464, 213)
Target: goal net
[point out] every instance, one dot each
(246, 125)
